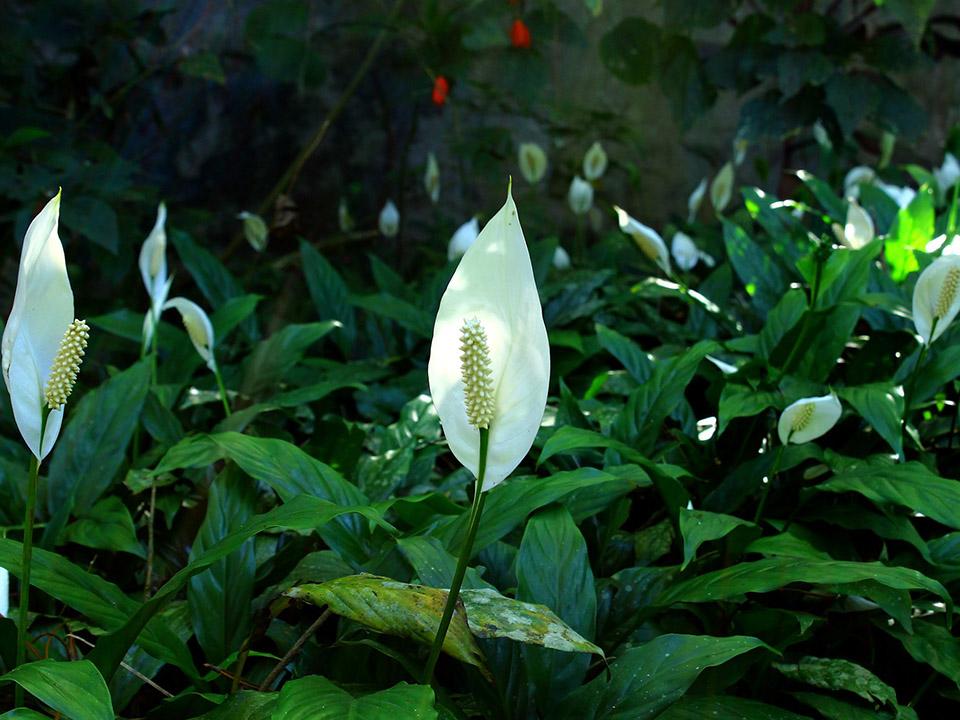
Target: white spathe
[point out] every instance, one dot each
(389, 221)
(153, 270)
(431, 178)
(808, 418)
(646, 238)
(947, 174)
(721, 189)
(696, 199)
(198, 327)
(821, 135)
(594, 162)
(856, 177)
(561, 259)
(936, 296)
(685, 252)
(533, 162)
(463, 238)
(580, 196)
(858, 230)
(493, 283)
(42, 312)
(902, 196)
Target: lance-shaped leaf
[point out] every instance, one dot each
(493, 285)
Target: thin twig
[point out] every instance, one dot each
(148, 581)
(133, 671)
(301, 641)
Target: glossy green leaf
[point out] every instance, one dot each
(724, 707)
(881, 405)
(329, 294)
(75, 689)
(646, 680)
(106, 526)
(269, 362)
(700, 526)
(316, 698)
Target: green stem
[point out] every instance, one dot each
(465, 553)
(27, 558)
(911, 387)
(223, 390)
(801, 342)
(765, 493)
(952, 217)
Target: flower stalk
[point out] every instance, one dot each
(466, 552)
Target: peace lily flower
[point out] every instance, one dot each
(344, 218)
(153, 270)
(821, 135)
(858, 230)
(721, 189)
(561, 259)
(695, 200)
(490, 360)
(4, 592)
(389, 219)
(580, 196)
(740, 146)
(198, 327)
(463, 238)
(431, 178)
(42, 344)
(533, 162)
(646, 238)
(808, 418)
(856, 177)
(254, 230)
(936, 297)
(687, 254)
(947, 174)
(902, 196)
(594, 162)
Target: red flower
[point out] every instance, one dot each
(441, 87)
(520, 34)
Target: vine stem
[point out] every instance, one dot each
(465, 553)
(29, 511)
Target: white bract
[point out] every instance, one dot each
(431, 178)
(198, 327)
(580, 196)
(153, 270)
(902, 196)
(858, 230)
(821, 135)
(936, 296)
(594, 162)
(561, 258)
(4, 592)
(721, 189)
(856, 177)
(42, 343)
(491, 297)
(255, 230)
(463, 238)
(947, 174)
(646, 238)
(533, 162)
(740, 146)
(344, 218)
(808, 418)
(687, 254)
(695, 199)
(389, 219)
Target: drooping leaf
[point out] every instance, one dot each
(76, 689)
(316, 698)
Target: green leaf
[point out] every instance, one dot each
(219, 598)
(881, 406)
(214, 280)
(329, 294)
(568, 439)
(553, 569)
(631, 50)
(433, 565)
(755, 268)
(645, 680)
(106, 526)
(836, 709)
(933, 644)
(300, 514)
(650, 404)
(270, 361)
(244, 705)
(724, 707)
(852, 97)
(700, 526)
(910, 485)
(94, 219)
(93, 445)
(204, 65)
(638, 363)
(911, 231)
(839, 674)
(405, 314)
(684, 80)
(912, 14)
(781, 319)
(287, 469)
(772, 573)
(738, 401)
(316, 698)
(75, 689)
(831, 203)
